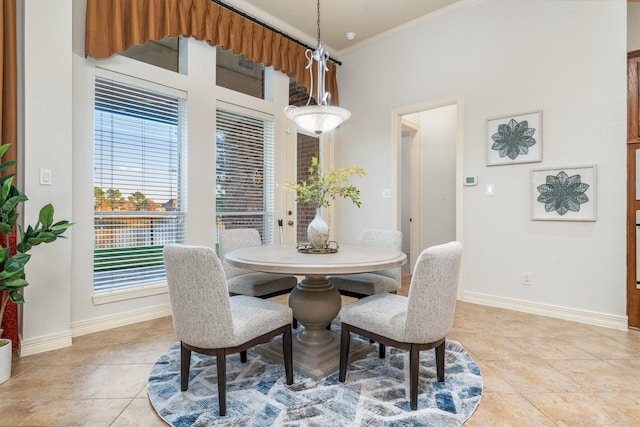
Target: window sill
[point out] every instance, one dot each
(127, 294)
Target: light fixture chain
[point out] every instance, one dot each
(318, 21)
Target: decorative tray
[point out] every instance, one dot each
(307, 248)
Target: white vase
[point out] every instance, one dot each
(6, 349)
(318, 232)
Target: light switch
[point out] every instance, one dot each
(489, 190)
(45, 176)
(386, 194)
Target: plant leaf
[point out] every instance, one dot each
(33, 241)
(12, 202)
(7, 165)
(16, 297)
(61, 225)
(4, 190)
(16, 262)
(4, 148)
(23, 247)
(46, 237)
(9, 275)
(46, 215)
(16, 283)
(5, 228)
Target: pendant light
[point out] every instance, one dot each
(322, 117)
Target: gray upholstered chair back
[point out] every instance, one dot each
(233, 239)
(432, 293)
(197, 284)
(391, 239)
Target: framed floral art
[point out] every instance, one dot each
(514, 139)
(564, 194)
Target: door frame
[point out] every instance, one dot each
(633, 205)
(396, 141)
(414, 186)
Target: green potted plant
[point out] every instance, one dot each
(320, 189)
(12, 277)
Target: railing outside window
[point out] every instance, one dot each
(128, 247)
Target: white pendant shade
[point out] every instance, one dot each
(317, 118)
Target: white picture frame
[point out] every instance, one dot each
(575, 202)
(514, 139)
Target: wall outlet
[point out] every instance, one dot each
(527, 279)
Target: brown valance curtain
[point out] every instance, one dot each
(113, 26)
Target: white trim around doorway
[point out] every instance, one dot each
(396, 146)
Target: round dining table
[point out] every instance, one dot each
(315, 302)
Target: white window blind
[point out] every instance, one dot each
(244, 172)
(139, 170)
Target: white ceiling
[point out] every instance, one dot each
(366, 18)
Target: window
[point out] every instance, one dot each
(244, 172)
(139, 169)
(237, 73)
(164, 53)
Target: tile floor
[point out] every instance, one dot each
(537, 371)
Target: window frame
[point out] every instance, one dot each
(197, 79)
(268, 186)
(107, 294)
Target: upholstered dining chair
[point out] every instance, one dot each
(364, 284)
(247, 282)
(418, 322)
(209, 321)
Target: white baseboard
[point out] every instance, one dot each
(44, 343)
(64, 339)
(564, 313)
(103, 323)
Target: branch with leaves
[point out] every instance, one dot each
(320, 189)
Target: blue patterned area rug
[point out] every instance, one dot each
(375, 394)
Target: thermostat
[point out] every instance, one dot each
(470, 180)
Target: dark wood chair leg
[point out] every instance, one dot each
(414, 369)
(221, 364)
(243, 356)
(381, 350)
(440, 361)
(287, 351)
(185, 365)
(345, 341)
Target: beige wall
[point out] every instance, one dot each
(505, 57)
(633, 26)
